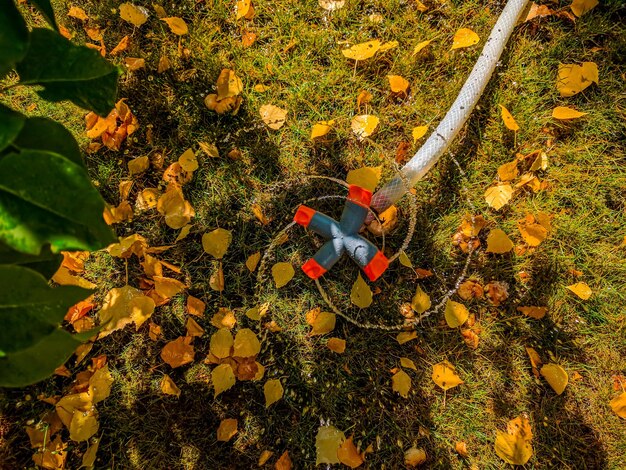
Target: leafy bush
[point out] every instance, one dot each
(47, 202)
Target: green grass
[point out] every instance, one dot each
(142, 428)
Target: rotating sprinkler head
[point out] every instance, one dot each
(343, 236)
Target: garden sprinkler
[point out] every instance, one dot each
(343, 236)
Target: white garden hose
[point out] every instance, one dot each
(449, 127)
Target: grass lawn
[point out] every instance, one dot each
(297, 57)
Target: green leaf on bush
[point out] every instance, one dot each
(47, 198)
(41, 133)
(11, 123)
(46, 11)
(46, 263)
(13, 36)
(69, 72)
(31, 343)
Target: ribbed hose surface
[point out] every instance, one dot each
(460, 111)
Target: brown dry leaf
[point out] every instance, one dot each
(534, 312)
(224, 318)
(133, 14)
(508, 171)
(414, 457)
(248, 38)
(580, 7)
(574, 78)
(94, 33)
(321, 322)
(363, 97)
(406, 336)
(497, 292)
(78, 13)
(398, 84)
(164, 64)
(388, 221)
(195, 306)
(508, 120)
(134, 63)
(173, 206)
(177, 25)
(253, 261)
(348, 454)
(535, 360)
(455, 314)
(514, 445)
(193, 328)
(337, 345)
(282, 273)
(471, 338)
(169, 387)
(321, 129)
(498, 196)
(445, 376)
(223, 378)
(155, 331)
(470, 289)
(461, 448)
(121, 46)
(264, 457)
(273, 116)
(498, 242)
(361, 295)
(364, 125)
(581, 289)
(464, 37)
(176, 175)
(178, 352)
(257, 210)
(273, 391)
(565, 113)
(122, 306)
(618, 405)
(227, 429)
(209, 149)
(284, 462)
(538, 11)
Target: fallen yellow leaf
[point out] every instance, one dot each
(464, 37)
(421, 46)
(581, 289)
(398, 84)
(534, 312)
(401, 383)
(177, 25)
(514, 445)
(133, 14)
(321, 128)
(407, 363)
(498, 196)
(364, 125)
(419, 132)
(366, 177)
(574, 78)
(445, 376)
(348, 454)
(618, 405)
(362, 51)
(580, 7)
(556, 377)
(253, 261)
(498, 242)
(421, 301)
(414, 457)
(227, 429)
(361, 294)
(228, 84)
(456, 314)
(564, 113)
(273, 116)
(321, 322)
(337, 345)
(216, 243)
(178, 352)
(168, 386)
(282, 274)
(273, 391)
(508, 119)
(222, 378)
(508, 171)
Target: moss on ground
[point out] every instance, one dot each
(297, 56)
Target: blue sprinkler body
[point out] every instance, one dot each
(343, 237)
